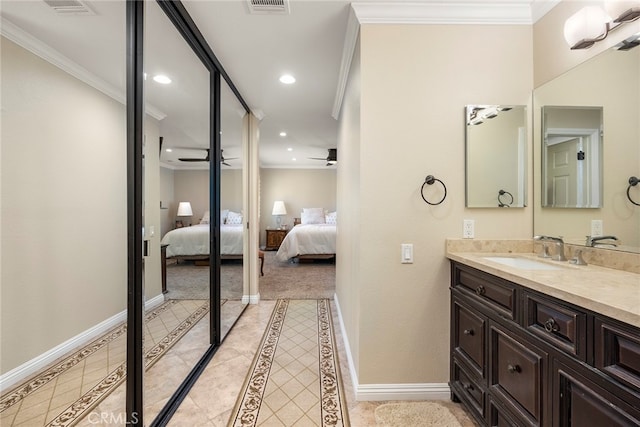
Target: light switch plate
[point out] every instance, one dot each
(406, 255)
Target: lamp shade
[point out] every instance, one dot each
(184, 209)
(278, 208)
(589, 23)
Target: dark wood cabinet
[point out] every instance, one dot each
(523, 358)
(274, 239)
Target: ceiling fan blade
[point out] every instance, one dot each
(188, 159)
(225, 163)
(317, 158)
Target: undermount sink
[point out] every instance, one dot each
(522, 263)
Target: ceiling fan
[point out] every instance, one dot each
(331, 159)
(205, 159)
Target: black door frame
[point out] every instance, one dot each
(185, 25)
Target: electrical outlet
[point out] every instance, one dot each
(596, 228)
(468, 229)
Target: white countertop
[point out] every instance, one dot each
(611, 292)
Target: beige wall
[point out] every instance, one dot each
(414, 83)
(64, 207)
(193, 186)
(167, 217)
(348, 238)
(298, 188)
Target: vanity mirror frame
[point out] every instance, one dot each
(496, 152)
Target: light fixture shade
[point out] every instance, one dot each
(589, 23)
(184, 209)
(278, 208)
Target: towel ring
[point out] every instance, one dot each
(502, 204)
(429, 180)
(633, 181)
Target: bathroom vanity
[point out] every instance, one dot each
(537, 346)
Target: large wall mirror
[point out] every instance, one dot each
(496, 156)
(571, 157)
(606, 88)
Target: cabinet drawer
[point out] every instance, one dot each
(517, 374)
(583, 403)
(617, 351)
(561, 326)
(500, 417)
(469, 389)
(498, 294)
(469, 336)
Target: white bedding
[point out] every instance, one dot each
(194, 240)
(309, 239)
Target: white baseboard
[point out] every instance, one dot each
(424, 391)
(251, 299)
(38, 363)
(377, 392)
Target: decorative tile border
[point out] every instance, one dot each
(31, 386)
(333, 411)
(332, 405)
(74, 413)
(248, 407)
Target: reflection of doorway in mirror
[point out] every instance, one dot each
(572, 168)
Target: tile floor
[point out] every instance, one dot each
(211, 400)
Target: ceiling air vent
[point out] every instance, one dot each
(269, 6)
(69, 7)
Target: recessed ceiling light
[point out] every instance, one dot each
(283, 134)
(162, 79)
(169, 150)
(294, 159)
(289, 149)
(287, 79)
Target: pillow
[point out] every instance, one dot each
(234, 218)
(312, 216)
(330, 218)
(223, 216)
(205, 218)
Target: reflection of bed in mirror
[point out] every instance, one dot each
(192, 242)
(309, 240)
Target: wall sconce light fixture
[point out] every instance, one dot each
(591, 24)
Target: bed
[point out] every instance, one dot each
(193, 242)
(309, 239)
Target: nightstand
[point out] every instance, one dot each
(274, 239)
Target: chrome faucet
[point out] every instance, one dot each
(559, 256)
(597, 240)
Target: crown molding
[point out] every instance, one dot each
(440, 12)
(49, 54)
(436, 12)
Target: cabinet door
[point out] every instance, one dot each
(583, 403)
(517, 374)
(469, 331)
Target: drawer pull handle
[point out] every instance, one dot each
(551, 325)
(513, 369)
(480, 290)
(468, 332)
